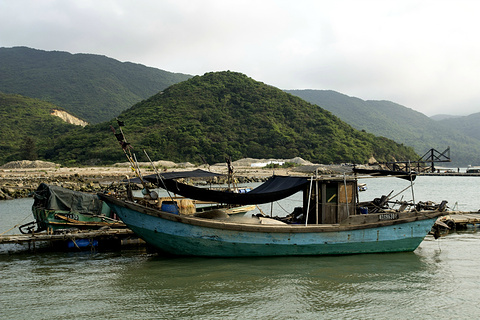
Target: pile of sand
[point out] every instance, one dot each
(23, 164)
(248, 162)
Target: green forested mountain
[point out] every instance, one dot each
(439, 117)
(27, 127)
(468, 125)
(228, 114)
(92, 87)
(404, 125)
(97, 88)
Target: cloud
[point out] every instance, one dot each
(421, 54)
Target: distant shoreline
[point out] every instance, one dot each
(22, 182)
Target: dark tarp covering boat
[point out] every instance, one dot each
(275, 188)
(57, 198)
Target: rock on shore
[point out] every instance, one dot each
(22, 182)
(22, 164)
(23, 186)
(20, 179)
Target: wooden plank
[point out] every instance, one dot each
(22, 238)
(461, 219)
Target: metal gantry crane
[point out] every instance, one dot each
(425, 164)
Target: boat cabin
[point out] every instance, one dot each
(329, 201)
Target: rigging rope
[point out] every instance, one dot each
(15, 226)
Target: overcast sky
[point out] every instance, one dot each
(424, 55)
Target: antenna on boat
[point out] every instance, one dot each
(231, 178)
(204, 161)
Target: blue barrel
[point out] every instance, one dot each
(82, 243)
(363, 210)
(170, 206)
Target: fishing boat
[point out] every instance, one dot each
(56, 208)
(331, 221)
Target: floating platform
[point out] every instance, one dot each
(461, 220)
(68, 241)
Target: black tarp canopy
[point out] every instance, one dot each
(276, 188)
(57, 198)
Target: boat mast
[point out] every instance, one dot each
(126, 147)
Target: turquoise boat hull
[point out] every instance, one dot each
(198, 237)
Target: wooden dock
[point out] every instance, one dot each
(87, 239)
(461, 220)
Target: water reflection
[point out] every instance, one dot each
(139, 284)
(266, 286)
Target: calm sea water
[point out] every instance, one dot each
(437, 281)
